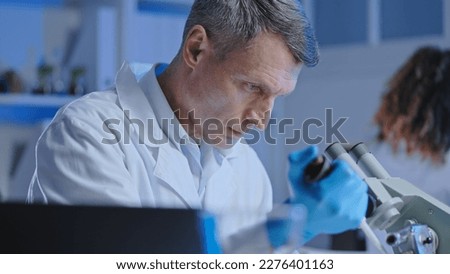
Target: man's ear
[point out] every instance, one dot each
(195, 46)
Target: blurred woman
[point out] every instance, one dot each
(414, 123)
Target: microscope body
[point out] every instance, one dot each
(418, 208)
(415, 221)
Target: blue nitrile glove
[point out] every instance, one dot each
(336, 203)
(284, 226)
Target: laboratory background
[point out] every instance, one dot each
(54, 51)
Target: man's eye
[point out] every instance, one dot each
(253, 88)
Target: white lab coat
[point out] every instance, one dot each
(73, 166)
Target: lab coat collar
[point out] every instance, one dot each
(170, 161)
(137, 108)
(164, 114)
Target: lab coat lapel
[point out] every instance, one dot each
(173, 169)
(171, 166)
(137, 108)
(220, 189)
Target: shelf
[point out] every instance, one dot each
(30, 109)
(33, 3)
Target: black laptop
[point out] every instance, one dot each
(56, 229)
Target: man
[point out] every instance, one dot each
(171, 136)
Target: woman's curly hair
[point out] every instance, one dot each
(416, 106)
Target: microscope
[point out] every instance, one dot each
(414, 221)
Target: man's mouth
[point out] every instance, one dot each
(236, 132)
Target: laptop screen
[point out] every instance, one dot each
(107, 230)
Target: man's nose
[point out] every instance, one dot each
(264, 121)
(261, 115)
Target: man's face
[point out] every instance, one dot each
(231, 96)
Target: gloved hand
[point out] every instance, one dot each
(335, 203)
